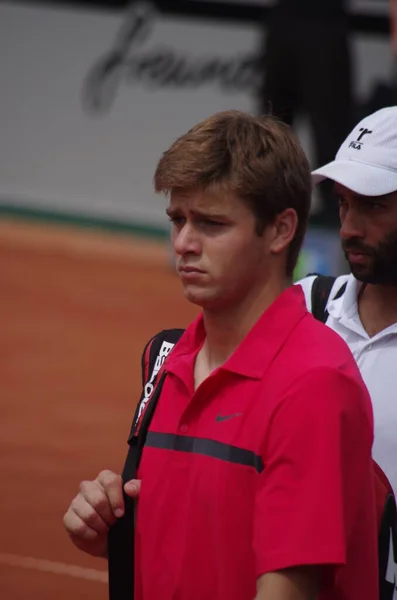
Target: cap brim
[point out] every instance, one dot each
(363, 179)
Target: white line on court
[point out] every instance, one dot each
(49, 566)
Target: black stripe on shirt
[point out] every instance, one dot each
(219, 450)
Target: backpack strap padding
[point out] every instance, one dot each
(121, 534)
(321, 290)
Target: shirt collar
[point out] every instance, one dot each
(346, 306)
(345, 310)
(258, 349)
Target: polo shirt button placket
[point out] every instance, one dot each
(184, 428)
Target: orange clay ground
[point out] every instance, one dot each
(77, 307)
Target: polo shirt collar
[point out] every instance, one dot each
(258, 349)
(345, 310)
(346, 306)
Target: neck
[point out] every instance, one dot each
(226, 328)
(378, 307)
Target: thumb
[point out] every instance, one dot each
(132, 488)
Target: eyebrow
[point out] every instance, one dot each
(360, 197)
(371, 199)
(174, 212)
(391, 197)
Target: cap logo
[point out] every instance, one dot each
(356, 144)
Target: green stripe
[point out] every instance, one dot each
(83, 220)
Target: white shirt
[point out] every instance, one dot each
(377, 360)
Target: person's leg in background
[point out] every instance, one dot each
(279, 90)
(327, 95)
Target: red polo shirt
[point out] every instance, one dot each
(266, 465)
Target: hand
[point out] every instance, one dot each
(95, 508)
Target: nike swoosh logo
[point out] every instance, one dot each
(221, 418)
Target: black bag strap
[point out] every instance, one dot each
(388, 550)
(321, 290)
(121, 534)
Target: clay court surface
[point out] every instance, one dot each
(77, 306)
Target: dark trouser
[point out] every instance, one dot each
(307, 68)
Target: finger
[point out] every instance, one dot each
(76, 527)
(132, 488)
(94, 494)
(113, 486)
(87, 513)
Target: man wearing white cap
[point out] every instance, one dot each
(362, 307)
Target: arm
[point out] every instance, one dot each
(289, 584)
(317, 455)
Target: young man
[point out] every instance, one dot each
(365, 314)
(256, 476)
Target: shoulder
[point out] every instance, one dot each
(328, 379)
(326, 393)
(313, 344)
(166, 338)
(320, 345)
(157, 349)
(315, 347)
(307, 286)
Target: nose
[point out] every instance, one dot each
(351, 224)
(186, 240)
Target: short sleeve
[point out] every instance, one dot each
(317, 459)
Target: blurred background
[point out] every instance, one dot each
(92, 92)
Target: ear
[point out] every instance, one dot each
(283, 230)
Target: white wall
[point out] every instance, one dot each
(57, 154)
(54, 152)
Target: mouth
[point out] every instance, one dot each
(189, 270)
(355, 256)
(190, 273)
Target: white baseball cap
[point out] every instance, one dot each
(366, 162)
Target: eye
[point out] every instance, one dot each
(373, 206)
(210, 226)
(177, 220)
(212, 223)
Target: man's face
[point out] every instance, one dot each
(219, 256)
(369, 235)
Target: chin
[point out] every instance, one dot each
(363, 274)
(201, 297)
(195, 296)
